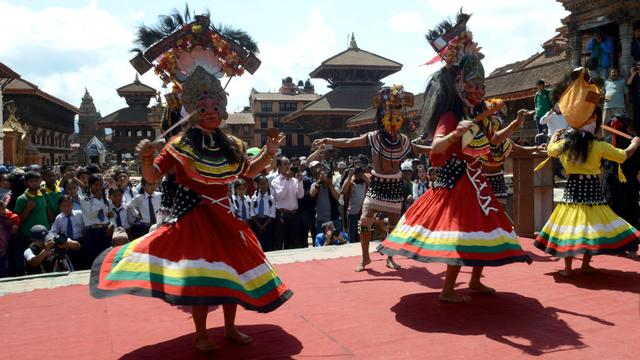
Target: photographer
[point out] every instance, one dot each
(48, 252)
(354, 190)
(327, 199)
(330, 236)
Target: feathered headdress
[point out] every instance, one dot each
(453, 43)
(176, 46)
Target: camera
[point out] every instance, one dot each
(294, 170)
(60, 239)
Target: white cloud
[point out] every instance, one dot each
(507, 32)
(60, 28)
(297, 56)
(407, 22)
(64, 50)
(92, 49)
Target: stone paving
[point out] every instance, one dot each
(48, 281)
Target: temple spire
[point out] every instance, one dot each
(353, 44)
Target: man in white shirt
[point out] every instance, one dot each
(554, 120)
(147, 203)
(287, 190)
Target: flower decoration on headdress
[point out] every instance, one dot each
(452, 42)
(455, 46)
(177, 46)
(390, 103)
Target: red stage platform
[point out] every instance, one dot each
(337, 313)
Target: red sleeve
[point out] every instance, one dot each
(165, 161)
(446, 124)
(13, 217)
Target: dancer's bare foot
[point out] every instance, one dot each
(565, 273)
(392, 264)
(237, 337)
(478, 286)
(588, 269)
(205, 345)
(633, 255)
(454, 297)
(362, 265)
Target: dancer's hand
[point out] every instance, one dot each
(521, 115)
(635, 140)
(318, 142)
(462, 128)
(145, 148)
(273, 144)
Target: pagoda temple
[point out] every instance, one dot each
(88, 125)
(354, 77)
(133, 123)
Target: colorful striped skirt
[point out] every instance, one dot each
(584, 224)
(575, 229)
(207, 257)
(463, 225)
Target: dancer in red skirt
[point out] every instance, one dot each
(202, 255)
(459, 221)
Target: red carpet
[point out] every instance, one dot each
(337, 313)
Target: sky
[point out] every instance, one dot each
(65, 46)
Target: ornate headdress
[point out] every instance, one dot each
(389, 103)
(580, 99)
(194, 55)
(453, 42)
(178, 46)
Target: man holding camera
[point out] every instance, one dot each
(327, 198)
(287, 188)
(48, 252)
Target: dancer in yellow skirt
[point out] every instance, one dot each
(583, 223)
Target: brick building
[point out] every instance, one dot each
(270, 108)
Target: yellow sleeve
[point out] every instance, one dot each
(554, 149)
(611, 153)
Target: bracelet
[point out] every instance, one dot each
(266, 155)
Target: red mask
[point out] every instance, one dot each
(209, 113)
(475, 92)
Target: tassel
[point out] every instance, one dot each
(542, 164)
(621, 176)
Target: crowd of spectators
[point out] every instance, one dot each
(60, 218)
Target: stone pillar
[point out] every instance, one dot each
(532, 194)
(625, 30)
(575, 46)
